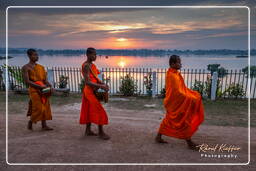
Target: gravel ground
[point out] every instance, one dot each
(132, 141)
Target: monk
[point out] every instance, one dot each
(184, 108)
(35, 77)
(91, 109)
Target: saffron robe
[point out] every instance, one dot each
(184, 108)
(91, 109)
(39, 106)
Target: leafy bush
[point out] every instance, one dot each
(199, 86)
(162, 93)
(63, 81)
(204, 88)
(148, 83)
(15, 73)
(82, 84)
(128, 86)
(208, 88)
(234, 90)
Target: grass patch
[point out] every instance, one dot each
(223, 112)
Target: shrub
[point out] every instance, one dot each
(234, 90)
(128, 86)
(199, 86)
(204, 88)
(63, 81)
(162, 93)
(148, 83)
(15, 73)
(82, 84)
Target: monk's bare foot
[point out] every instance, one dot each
(160, 140)
(90, 133)
(30, 125)
(47, 128)
(104, 136)
(192, 145)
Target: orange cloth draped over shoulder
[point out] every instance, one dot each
(39, 106)
(184, 108)
(91, 109)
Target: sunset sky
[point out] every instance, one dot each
(129, 28)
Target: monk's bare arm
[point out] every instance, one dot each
(26, 78)
(86, 71)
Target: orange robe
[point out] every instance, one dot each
(39, 107)
(91, 109)
(184, 108)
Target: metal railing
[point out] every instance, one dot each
(230, 83)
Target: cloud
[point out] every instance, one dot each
(226, 35)
(30, 32)
(155, 28)
(55, 11)
(104, 26)
(160, 28)
(194, 26)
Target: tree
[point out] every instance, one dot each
(222, 72)
(252, 71)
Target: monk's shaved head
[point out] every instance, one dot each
(30, 51)
(175, 62)
(90, 50)
(173, 59)
(32, 54)
(91, 54)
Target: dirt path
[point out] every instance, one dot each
(132, 141)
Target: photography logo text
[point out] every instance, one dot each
(218, 150)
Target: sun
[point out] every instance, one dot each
(121, 64)
(121, 39)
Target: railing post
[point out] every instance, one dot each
(101, 76)
(5, 79)
(50, 76)
(3, 84)
(154, 91)
(214, 85)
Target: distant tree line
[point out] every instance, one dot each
(132, 52)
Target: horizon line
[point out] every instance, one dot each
(122, 49)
